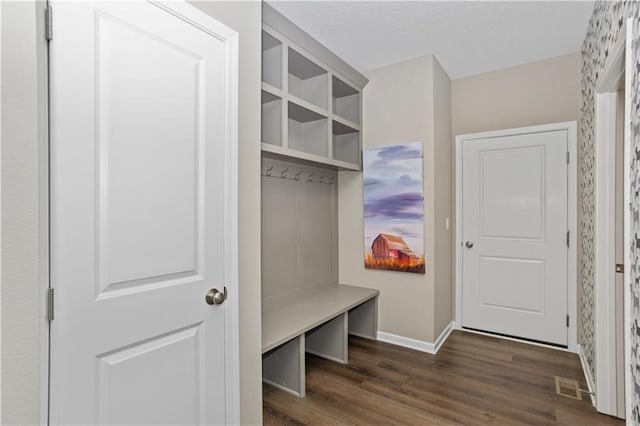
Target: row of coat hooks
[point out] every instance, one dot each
(297, 175)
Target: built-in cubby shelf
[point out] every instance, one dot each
(271, 60)
(307, 80)
(346, 143)
(346, 100)
(307, 130)
(311, 130)
(271, 118)
(310, 113)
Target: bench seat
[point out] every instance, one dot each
(318, 323)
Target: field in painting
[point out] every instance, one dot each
(416, 265)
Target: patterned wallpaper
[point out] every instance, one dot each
(603, 31)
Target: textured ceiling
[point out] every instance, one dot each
(468, 38)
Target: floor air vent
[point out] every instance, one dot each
(568, 387)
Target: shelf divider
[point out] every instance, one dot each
(279, 153)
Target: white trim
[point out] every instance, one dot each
(406, 342)
(604, 235)
(587, 375)
(232, 308)
(604, 241)
(605, 343)
(628, 285)
(572, 226)
(41, 350)
(418, 345)
(444, 336)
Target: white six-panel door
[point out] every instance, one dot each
(514, 235)
(140, 137)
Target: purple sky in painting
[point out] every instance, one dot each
(398, 206)
(393, 194)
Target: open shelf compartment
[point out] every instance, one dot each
(271, 60)
(308, 130)
(271, 132)
(346, 100)
(346, 143)
(307, 80)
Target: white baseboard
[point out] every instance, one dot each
(418, 345)
(587, 374)
(444, 335)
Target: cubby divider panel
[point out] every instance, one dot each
(271, 119)
(330, 340)
(271, 60)
(363, 319)
(283, 367)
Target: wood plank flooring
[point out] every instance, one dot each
(473, 380)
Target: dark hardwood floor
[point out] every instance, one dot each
(473, 379)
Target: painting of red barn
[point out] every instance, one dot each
(394, 208)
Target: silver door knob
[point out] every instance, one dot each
(215, 296)
(468, 244)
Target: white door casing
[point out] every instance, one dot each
(612, 305)
(516, 215)
(143, 100)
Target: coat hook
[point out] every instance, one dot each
(321, 179)
(268, 172)
(309, 177)
(283, 174)
(297, 176)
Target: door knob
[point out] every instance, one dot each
(215, 296)
(468, 244)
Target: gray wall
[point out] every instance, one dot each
(23, 320)
(444, 201)
(401, 104)
(525, 95)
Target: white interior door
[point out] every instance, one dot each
(514, 227)
(140, 137)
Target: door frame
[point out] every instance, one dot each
(230, 38)
(572, 294)
(619, 62)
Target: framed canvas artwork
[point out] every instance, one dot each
(394, 208)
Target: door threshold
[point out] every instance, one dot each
(517, 339)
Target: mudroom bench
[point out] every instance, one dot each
(318, 323)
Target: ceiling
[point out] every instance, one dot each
(467, 37)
